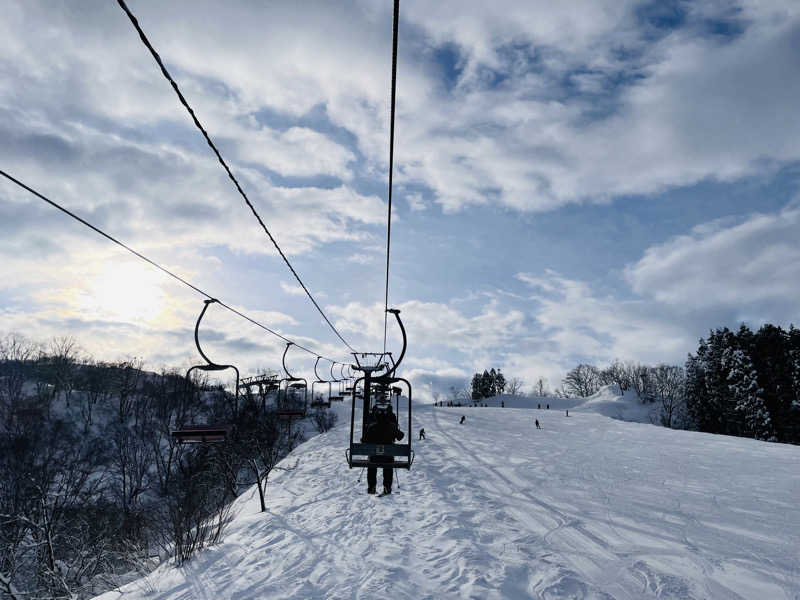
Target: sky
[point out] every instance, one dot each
(586, 182)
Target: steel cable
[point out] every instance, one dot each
(391, 167)
(197, 123)
(153, 263)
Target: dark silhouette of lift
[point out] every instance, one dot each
(379, 385)
(208, 433)
(292, 393)
(338, 396)
(319, 401)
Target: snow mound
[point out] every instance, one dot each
(609, 401)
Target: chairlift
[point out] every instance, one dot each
(267, 384)
(290, 388)
(348, 386)
(315, 402)
(209, 433)
(337, 397)
(375, 385)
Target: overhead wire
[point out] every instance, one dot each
(155, 264)
(391, 166)
(213, 147)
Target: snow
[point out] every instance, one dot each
(608, 401)
(624, 406)
(588, 507)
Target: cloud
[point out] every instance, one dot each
(548, 106)
(578, 325)
(415, 202)
(298, 152)
(666, 112)
(745, 265)
(292, 289)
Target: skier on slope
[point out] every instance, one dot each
(381, 429)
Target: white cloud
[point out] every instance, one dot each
(292, 289)
(699, 108)
(579, 325)
(722, 265)
(416, 202)
(296, 152)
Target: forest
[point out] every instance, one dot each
(94, 490)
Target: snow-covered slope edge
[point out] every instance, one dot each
(588, 507)
(608, 401)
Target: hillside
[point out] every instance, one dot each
(586, 507)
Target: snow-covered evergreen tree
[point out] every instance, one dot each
(499, 382)
(746, 395)
(477, 382)
(794, 357)
(487, 385)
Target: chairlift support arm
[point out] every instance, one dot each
(396, 313)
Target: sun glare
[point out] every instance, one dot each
(127, 292)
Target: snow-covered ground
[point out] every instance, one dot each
(587, 507)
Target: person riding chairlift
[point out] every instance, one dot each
(381, 429)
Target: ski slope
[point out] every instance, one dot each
(587, 507)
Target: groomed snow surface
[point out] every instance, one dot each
(587, 507)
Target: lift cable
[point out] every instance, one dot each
(391, 166)
(153, 263)
(225, 165)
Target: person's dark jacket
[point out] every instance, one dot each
(382, 428)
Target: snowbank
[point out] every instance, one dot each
(608, 401)
(627, 406)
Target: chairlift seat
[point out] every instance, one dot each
(362, 455)
(202, 434)
(291, 414)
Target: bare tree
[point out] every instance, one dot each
(260, 443)
(669, 389)
(126, 386)
(97, 386)
(616, 374)
(323, 419)
(640, 380)
(540, 388)
(63, 354)
(16, 354)
(582, 381)
(514, 386)
(49, 476)
(130, 471)
(7, 588)
(198, 507)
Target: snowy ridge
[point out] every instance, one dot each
(608, 401)
(588, 507)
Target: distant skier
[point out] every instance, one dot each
(422, 433)
(537, 424)
(502, 404)
(381, 429)
(548, 407)
(463, 418)
(540, 405)
(567, 412)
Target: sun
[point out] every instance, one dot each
(125, 292)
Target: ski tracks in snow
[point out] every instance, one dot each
(585, 509)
